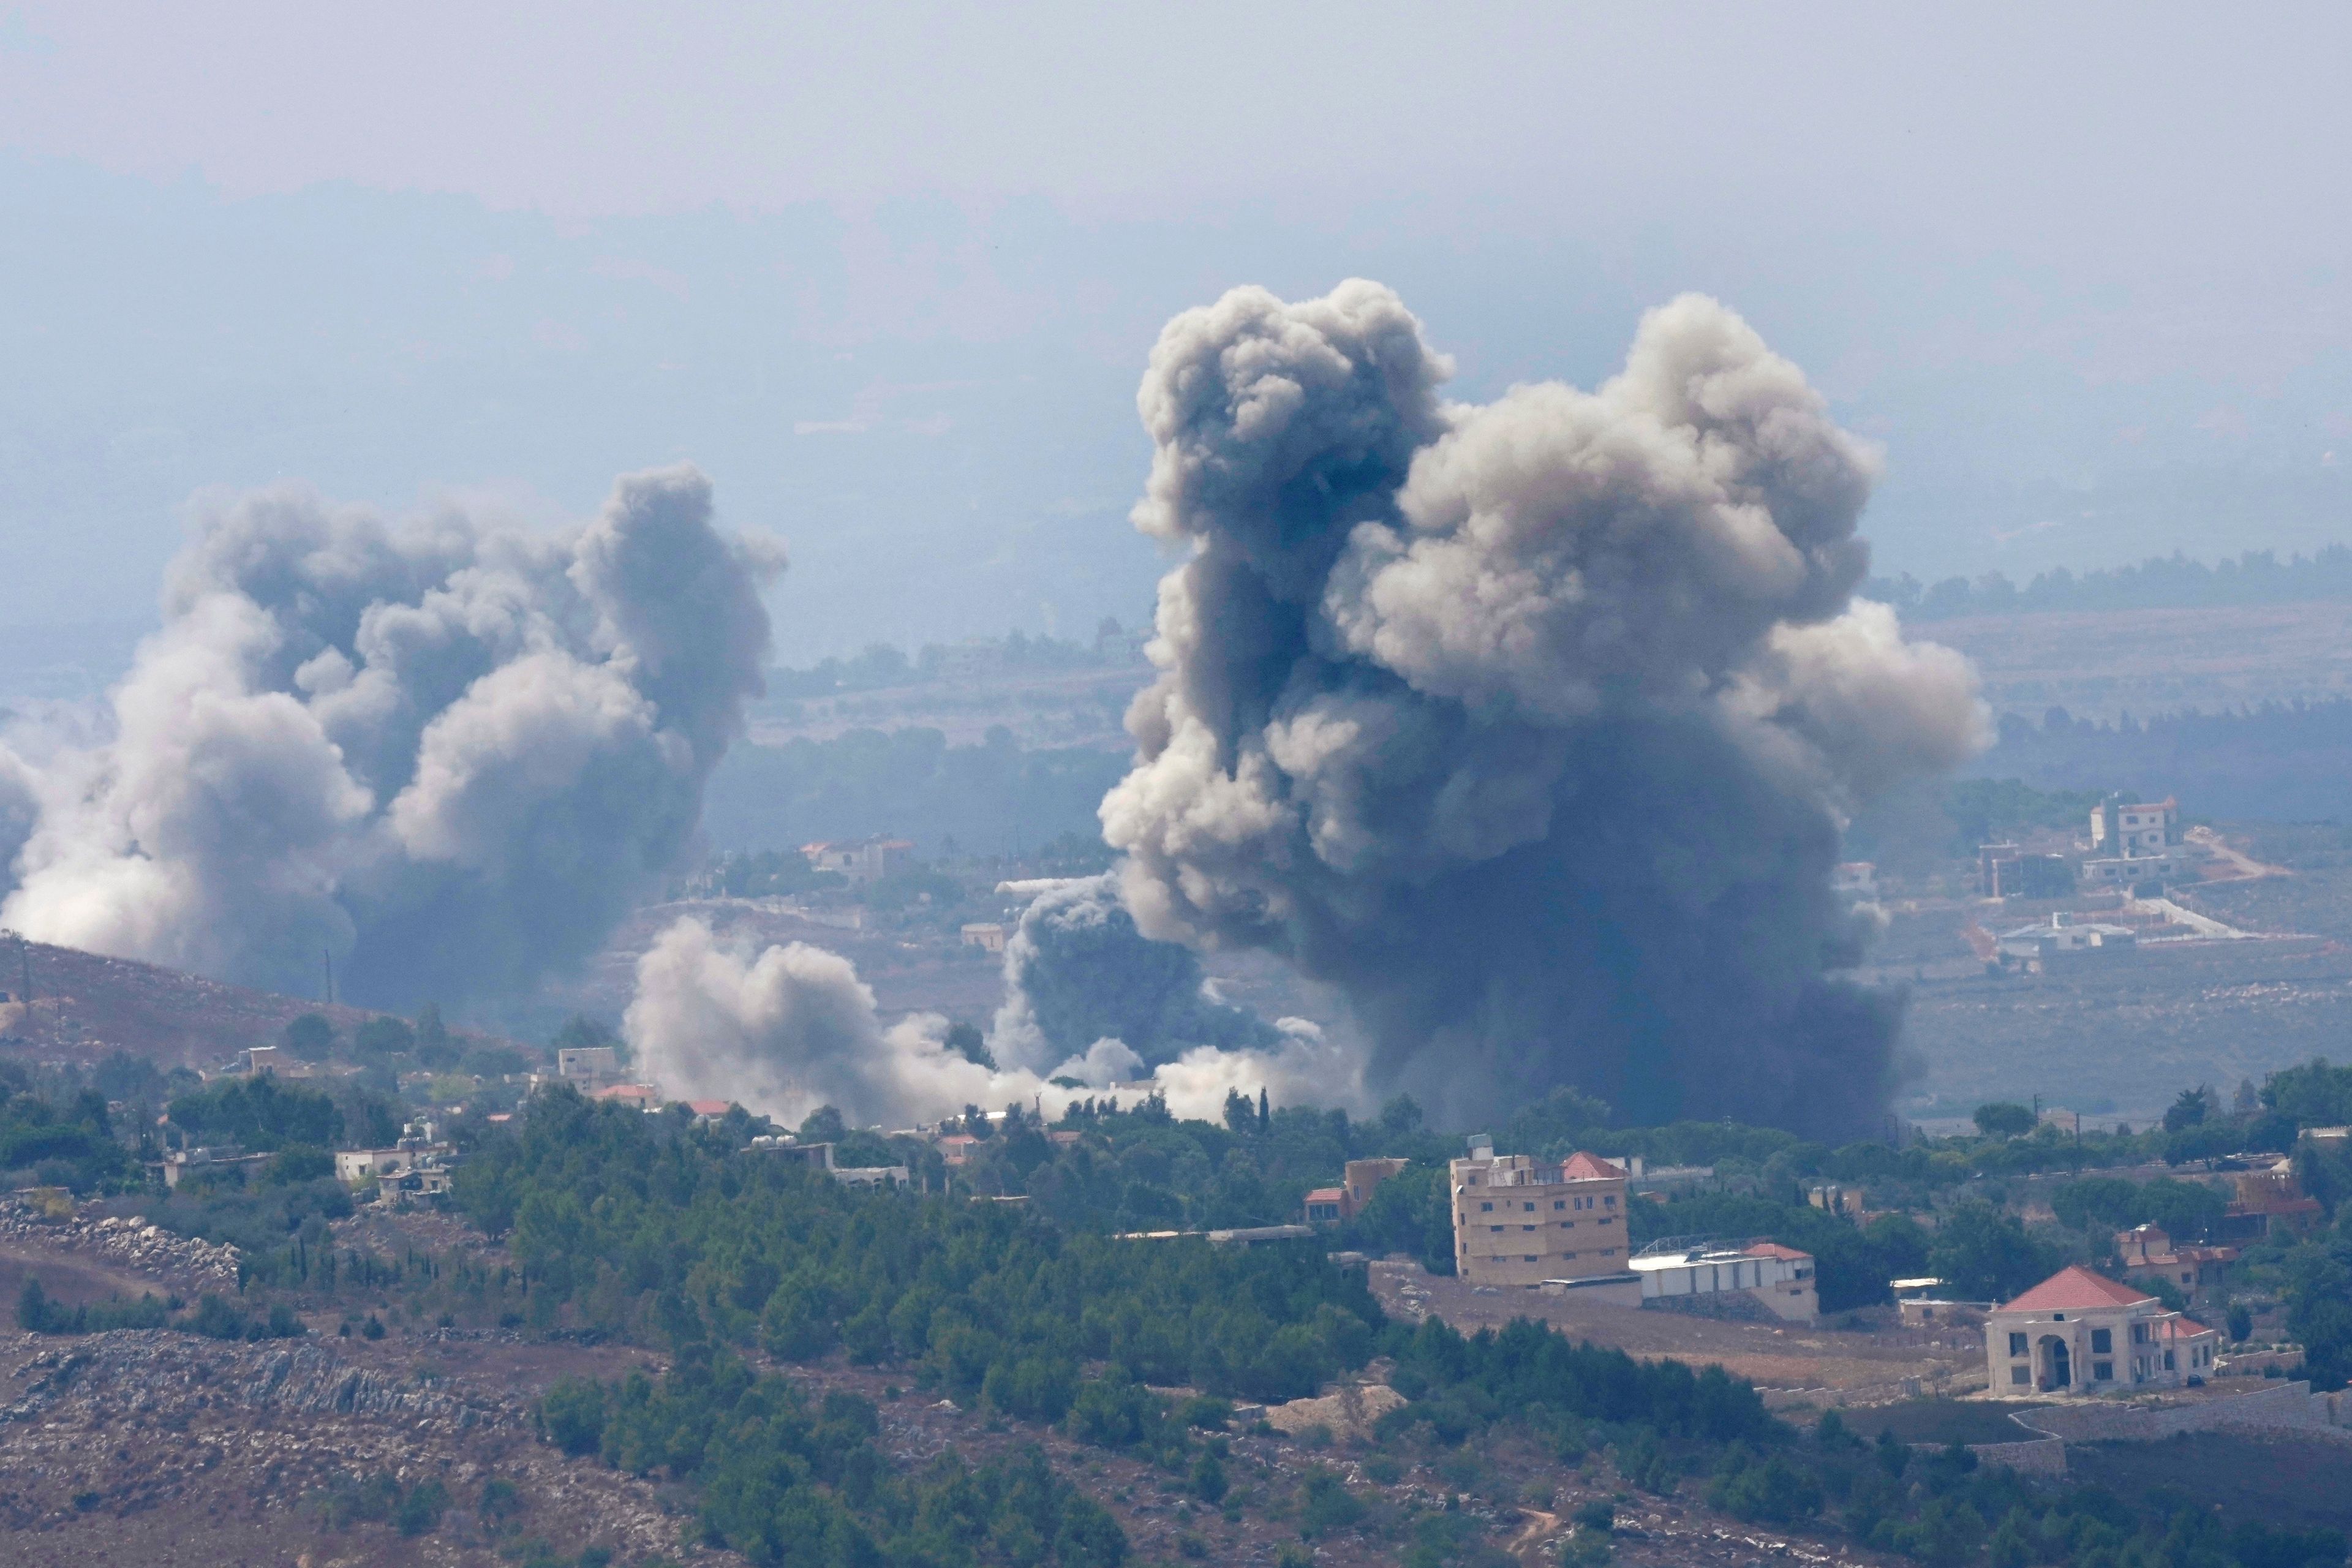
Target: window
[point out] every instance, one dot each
(1487, 1208)
(1530, 1257)
(2016, 1344)
(1529, 1208)
(2103, 1372)
(1559, 1203)
(1608, 1252)
(2139, 1336)
(1526, 1228)
(2057, 1317)
(2021, 1374)
(2103, 1341)
(1568, 1225)
(1496, 1229)
(1567, 1257)
(2168, 1365)
(1610, 1202)
(1607, 1219)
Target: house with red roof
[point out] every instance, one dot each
(2080, 1333)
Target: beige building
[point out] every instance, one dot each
(1359, 1178)
(1522, 1221)
(2080, 1333)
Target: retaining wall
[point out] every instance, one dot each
(2284, 1407)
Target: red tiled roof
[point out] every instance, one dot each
(2180, 1326)
(1327, 1194)
(1774, 1249)
(2075, 1289)
(1583, 1167)
(710, 1107)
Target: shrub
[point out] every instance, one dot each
(574, 1413)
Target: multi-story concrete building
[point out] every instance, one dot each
(1522, 1221)
(2081, 1333)
(2199, 1273)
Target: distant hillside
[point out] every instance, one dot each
(85, 1005)
(2159, 582)
(2275, 762)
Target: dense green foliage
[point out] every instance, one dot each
(258, 1114)
(783, 1479)
(646, 1226)
(71, 1145)
(649, 1228)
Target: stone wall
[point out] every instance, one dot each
(2282, 1406)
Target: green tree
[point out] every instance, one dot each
(310, 1038)
(2004, 1119)
(384, 1036)
(1986, 1255)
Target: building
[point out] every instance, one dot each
(861, 861)
(1854, 879)
(2199, 1273)
(1522, 1221)
(588, 1068)
(707, 1111)
(2149, 830)
(644, 1096)
(2267, 1198)
(986, 935)
(418, 1166)
(2009, 871)
(2064, 943)
(1359, 1178)
(2079, 1333)
(871, 1175)
(182, 1164)
(1778, 1278)
(784, 1146)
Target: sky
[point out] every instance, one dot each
(889, 273)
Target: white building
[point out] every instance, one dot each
(2079, 1333)
(2064, 943)
(1780, 1278)
(861, 860)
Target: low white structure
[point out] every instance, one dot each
(2079, 1333)
(1779, 1277)
(418, 1167)
(2062, 942)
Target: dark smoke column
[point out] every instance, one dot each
(1532, 726)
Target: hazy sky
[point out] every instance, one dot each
(889, 273)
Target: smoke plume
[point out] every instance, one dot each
(20, 809)
(451, 751)
(1533, 725)
(783, 1030)
(1077, 970)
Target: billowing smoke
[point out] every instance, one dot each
(451, 751)
(1532, 726)
(20, 809)
(1077, 970)
(783, 1030)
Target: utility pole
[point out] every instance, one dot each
(25, 957)
(329, 954)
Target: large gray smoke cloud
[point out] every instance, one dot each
(1530, 725)
(451, 751)
(1077, 970)
(783, 1030)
